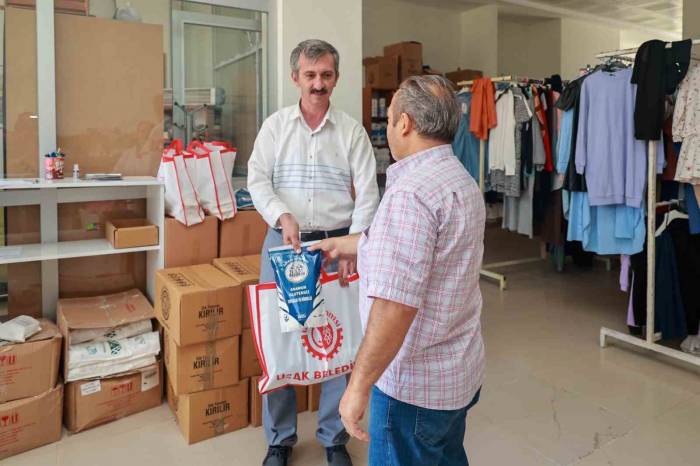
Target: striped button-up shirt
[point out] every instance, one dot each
(326, 178)
(424, 249)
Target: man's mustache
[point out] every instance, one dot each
(322, 91)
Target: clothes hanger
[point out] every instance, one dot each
(669, 217)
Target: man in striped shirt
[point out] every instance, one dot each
(422, 356)
(312, 175)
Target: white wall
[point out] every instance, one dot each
(479, 39)
(581, 42)
(338, 22)
(389, 21)
(511, 37)
(529, 46)
(634, 38)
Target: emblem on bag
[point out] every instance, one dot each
(323, 342)
(296, 271)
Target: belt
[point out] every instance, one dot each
(319, 235)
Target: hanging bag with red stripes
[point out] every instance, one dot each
(181, 200)
(213, 179)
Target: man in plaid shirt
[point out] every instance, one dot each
(422, 357)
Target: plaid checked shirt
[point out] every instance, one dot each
(424, 249)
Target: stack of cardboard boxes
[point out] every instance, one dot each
(400, 61)
(246, 270)
(207, 347)
(199, 308)
(98, 400)
(31, 396)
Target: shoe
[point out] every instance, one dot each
(277, 456)
(338, 456)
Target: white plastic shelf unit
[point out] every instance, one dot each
(48, 194)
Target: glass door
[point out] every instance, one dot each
(219, 90)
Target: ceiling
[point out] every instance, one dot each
(662, 17)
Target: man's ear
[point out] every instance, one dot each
(406, 124)
(295, 78)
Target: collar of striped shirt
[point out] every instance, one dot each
(398, 169)
(329, 116)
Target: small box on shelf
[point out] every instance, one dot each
(131, 233)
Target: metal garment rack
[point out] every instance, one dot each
(485, 272)
(651, 338)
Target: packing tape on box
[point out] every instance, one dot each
(219, 407)
(211, 356)
(212, 325)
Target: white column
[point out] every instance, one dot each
(46, 110)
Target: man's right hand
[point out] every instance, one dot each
(290, 231)
(343, 247)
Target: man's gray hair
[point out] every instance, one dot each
(429, 101)
(313, 49)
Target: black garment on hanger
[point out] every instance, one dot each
(555, 83)
(669, 312)
(687, 248)
(567, 101)
(657, 71)
(677, 271)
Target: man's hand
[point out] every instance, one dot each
(342, 247)
(352, 410)
(290, 231)
(346, 267)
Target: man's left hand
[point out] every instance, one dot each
(346, 267)
(352, 410)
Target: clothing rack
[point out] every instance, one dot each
(651, 338)
(623, 53)
(485, 272)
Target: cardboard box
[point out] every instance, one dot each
(381, 72)
(463, 75)
(193, 368)
(410, 58)
(314, 396)
(198, 303)
(250, 365)
(210, 413)
(31, 422)
(242, 235)
(131, 233)
(30, 368)
(198, 244)
(245, 269)
(100, 312)
(256, 401)
(93, 402)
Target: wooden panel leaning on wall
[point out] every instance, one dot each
(109, 113)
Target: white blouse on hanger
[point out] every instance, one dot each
(686, 127)
(502, 137)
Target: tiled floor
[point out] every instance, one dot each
(552, 396)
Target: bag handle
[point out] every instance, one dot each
(224, 145)
(197, 145)
(176, 145)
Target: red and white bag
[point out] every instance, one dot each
(307, 356)
(212, 176)
(181, 199)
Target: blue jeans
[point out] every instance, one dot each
(406, 435)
